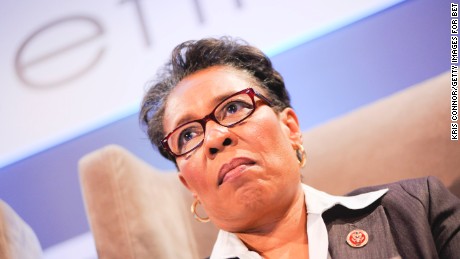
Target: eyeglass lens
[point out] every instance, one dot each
(233, 110)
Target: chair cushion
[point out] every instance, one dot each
(136, 211)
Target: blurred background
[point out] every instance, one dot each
(73, 74)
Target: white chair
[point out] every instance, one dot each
(136, 211)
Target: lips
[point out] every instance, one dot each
(233, 168)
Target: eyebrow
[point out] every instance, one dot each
(188, 117)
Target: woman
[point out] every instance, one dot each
(222, 113)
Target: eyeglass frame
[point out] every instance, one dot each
(249, 91)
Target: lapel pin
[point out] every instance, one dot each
(357, 238)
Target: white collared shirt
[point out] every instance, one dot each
(228, 245)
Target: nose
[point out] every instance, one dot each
(217, 137)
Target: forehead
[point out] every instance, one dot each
(196, 95)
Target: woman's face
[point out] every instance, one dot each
(246, 175)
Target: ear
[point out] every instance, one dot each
(291, 127)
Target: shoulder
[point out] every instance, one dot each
(426, 194)
(410, 193)
(419, 188)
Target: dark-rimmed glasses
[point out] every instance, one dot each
(231, 111)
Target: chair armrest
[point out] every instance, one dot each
(17, 239)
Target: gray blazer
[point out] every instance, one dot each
(416, 218)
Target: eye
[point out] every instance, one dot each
(185, 136)
(188, 136)
(234, 108)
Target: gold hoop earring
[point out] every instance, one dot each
(195, 215)
(301, 155)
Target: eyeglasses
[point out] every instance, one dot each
(231, 111)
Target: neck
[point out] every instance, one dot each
(285, 236)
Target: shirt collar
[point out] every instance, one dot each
(318, 202)
(228, 245)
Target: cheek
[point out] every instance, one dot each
(267, 132)
(269, 137)
(193, 173)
